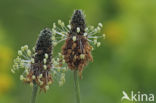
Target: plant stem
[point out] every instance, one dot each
(34, 93)
(77, 88)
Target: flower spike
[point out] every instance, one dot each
(38, 64)
(78, 24)
(76, 50)
(79, 38)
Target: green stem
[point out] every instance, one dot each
(34, 93)
(77, 88)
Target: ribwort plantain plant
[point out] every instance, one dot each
(41, 68)
(39, 65)
(77, 47)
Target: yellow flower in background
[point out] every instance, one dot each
(5, 58)
(5, 61)
(5, 82)
(114, 32)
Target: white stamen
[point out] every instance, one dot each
(19, 52)
(86, 29)
(74, 38)
(31, 84)
(62, 24)
(59, 22)
(26, 71)
(41, 82)
(59, 54)
(85, 34)
(92, 27)
(55, 63)
(78, 29)
(46, 55)
(54, 25)
(53, 31)
(82, 56)
(95, 30)
(33, 77)
(33, 49)
(47, 87)
(22, 65)
(26, 47)
(98, 44)
(29, 52)
(95, 41)
(32, 60)
(45, 61)
(104, 36)
(100, 24)
(63, 61)
(45, 67)
(21, 77)
(40, 76)
(12, 71)
(69, 26)
(53, 37)
(50, 82)
(22, 48)
(98, 28)
(58, 59)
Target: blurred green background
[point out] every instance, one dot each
(125, 61)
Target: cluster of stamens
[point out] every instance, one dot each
(61, 33)
(23, 60)
(59, 69)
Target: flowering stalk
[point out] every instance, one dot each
(40, 69)
(78, 40)
(34, 93)
(77, 88)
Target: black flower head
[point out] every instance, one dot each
(44, 46)
(39, 66)
(78, 22)
(39, 72)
